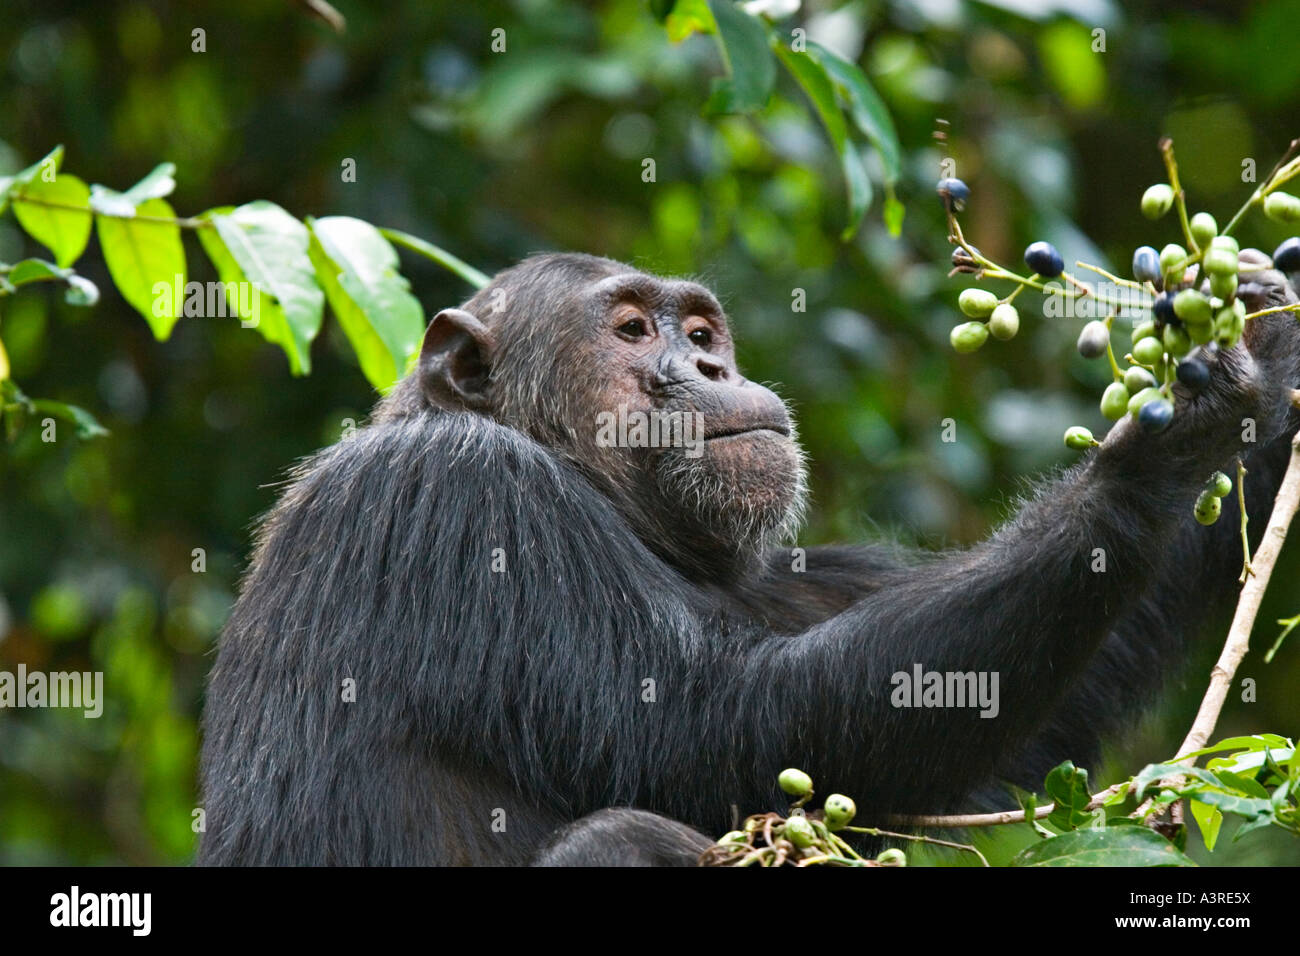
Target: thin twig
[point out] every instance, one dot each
(1246, 569)
(1252, 593)
(998, 818)
(919, 838)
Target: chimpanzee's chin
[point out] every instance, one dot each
(743, 491)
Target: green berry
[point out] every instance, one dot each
(1114, 401)
(1157, 200)
(1191, 306)
(1172, 257)
(795, 782)
(892, 857)
(1078, 437)
(1200, 333)
(977, 303)
(800, 832)
(1226, 242)
(1136, 379)
(1177, 342)
(1149, 351)
(968, 336)
(1229, 323)
(1219, 485)
(1221, 262)
(839, 810)
(1208, 508)
(1004, 323)
(1143, 330)
(1135, 403)
(1282, 207)
(1223, 285)
(1204, 228)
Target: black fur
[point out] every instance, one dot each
(522, 691)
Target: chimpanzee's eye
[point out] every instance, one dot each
(633, 328)
(702, 338)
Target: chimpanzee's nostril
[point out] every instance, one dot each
(710, 367)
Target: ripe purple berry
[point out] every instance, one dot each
(1043, 258)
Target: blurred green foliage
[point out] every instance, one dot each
(495, 155)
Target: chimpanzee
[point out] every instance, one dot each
(482, 631)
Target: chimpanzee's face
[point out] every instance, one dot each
(697, 454)
(632, 378)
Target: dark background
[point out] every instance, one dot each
(497, 155)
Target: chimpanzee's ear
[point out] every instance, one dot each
(455, 360)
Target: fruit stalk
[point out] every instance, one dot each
(1180, 201)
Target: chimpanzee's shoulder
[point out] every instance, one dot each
(451, 460)
(458, 443)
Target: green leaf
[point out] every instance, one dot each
(1248, 808)
(751, 72)
(1068, 60)
(262, 244)
(357, 268)
(1118, 797)
(147, 263)
(35, 270)
(819, 89)
(866, 107)
(1239, 783)
(86, 424)
(1158, 771)
(64, 232)
(1209, 819)
(81, 291)
(661, 9)
(1029, 803)
(1257, 742)
(1118, 846)
(893, 213)
(110, 202)
(1067, 785)
(159, 183)
(51, 160)
(688, 17)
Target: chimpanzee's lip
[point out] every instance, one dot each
(782, 430)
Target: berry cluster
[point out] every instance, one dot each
(800, 838)
(1182, 302)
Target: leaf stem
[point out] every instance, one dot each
(438, 255)
(183, 222)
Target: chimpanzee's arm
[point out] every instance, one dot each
(1196, 586)
(601, 676)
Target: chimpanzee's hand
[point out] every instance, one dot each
(1251, 382)
(1272, 340)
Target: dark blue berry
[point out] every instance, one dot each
(1156, 415)
(1043, 258)
(1163, 309)
(1194, 373)
(1287, 256)
(953, 193)
(1146, 264)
